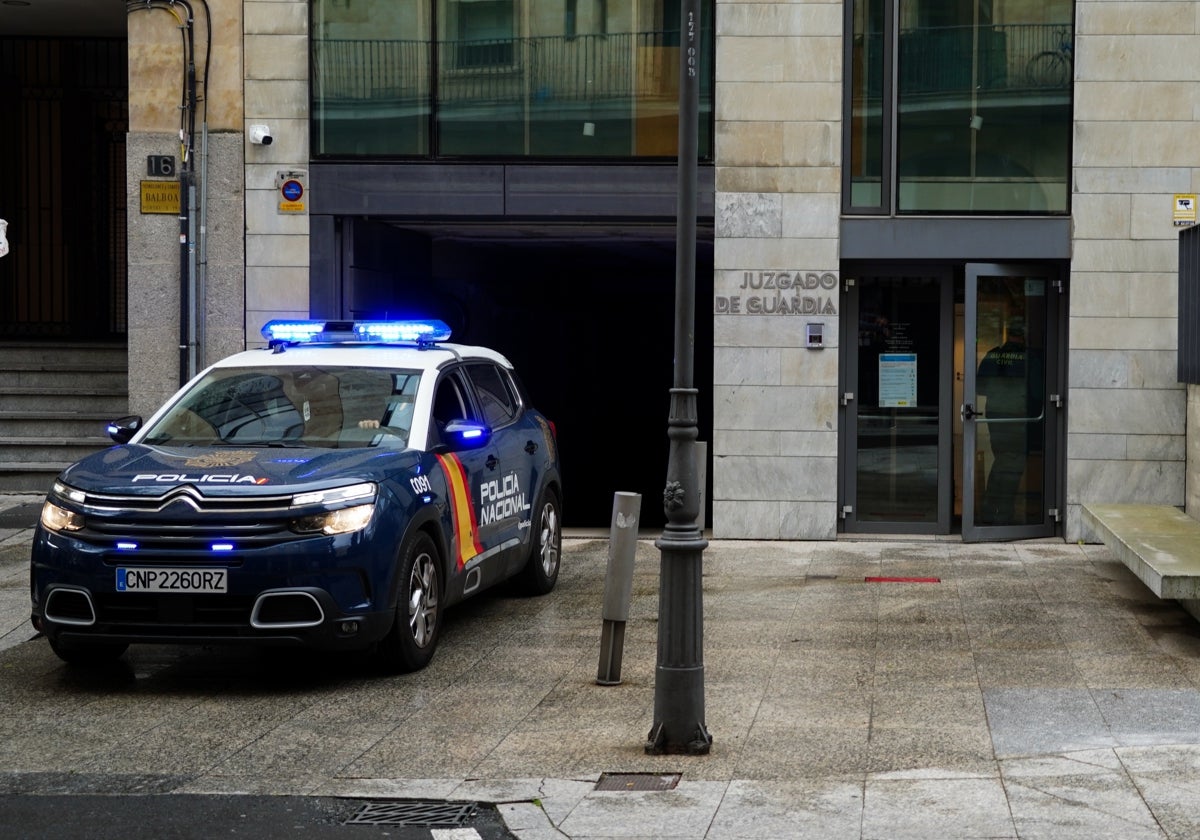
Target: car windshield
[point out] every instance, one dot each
(331, 407)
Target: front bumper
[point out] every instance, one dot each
(326, 593)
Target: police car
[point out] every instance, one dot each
(338, 489)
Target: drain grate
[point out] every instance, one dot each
(415, 813)
(637, 781)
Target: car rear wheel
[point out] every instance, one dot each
(87, 653)
(410, 644)
(545, 549)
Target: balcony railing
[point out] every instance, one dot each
(997, 58)
(583, 68)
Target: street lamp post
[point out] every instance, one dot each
(679, 678)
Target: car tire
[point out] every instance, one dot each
(545, 547)
(410, 644)
(87, 653)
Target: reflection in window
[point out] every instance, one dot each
(865, 161)
(982, 106)
(371, 77)
(584, 78)
(485, 33)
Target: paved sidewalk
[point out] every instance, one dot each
(1036, 690)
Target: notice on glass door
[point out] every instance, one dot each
(897, 380)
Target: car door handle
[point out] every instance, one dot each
(530, 447)
(492, 462)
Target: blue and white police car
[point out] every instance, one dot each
(338, 489)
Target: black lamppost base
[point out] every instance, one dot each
(699, 744)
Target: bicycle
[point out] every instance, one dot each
(1053, 68)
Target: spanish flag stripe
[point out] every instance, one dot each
(466, 528)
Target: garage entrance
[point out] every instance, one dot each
(585, 312)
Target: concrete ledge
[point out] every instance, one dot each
(1159, 543)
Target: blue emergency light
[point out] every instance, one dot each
(424, 331)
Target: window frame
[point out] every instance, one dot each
(889, 126)
(889, 106)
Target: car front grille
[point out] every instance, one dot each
(184, 520)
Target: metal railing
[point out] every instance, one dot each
(999, 57)
(951, 59)
(541, 69)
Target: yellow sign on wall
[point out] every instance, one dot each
(160, 197)
(1185, 209)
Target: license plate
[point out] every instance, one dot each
(172, 580)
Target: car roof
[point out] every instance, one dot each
(358, 354)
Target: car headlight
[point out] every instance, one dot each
(365, 490)
(331, 522)
(55, 518)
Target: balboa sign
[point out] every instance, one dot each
(782, 293)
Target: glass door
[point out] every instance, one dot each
(896, 404)
(1011, 413)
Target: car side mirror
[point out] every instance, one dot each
(465, 434)
(123, 428)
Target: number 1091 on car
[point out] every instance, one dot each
(172, 580)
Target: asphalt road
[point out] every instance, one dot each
(206, 816)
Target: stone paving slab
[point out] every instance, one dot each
(1036, 690)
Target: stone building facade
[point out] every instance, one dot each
(778, 402)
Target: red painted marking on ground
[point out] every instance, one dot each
(902, 580)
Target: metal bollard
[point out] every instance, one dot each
(618, 584)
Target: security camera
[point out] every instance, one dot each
(260, 135)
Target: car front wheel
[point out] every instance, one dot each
(410, 644)
(545, 549)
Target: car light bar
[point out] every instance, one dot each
(324, 332)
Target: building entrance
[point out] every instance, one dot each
(951, 406)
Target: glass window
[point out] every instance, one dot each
(371, 77)
(865, 161)
(297, 405)
(485, 33)
(898, 399)
(981, 101)
(502, 78)
(495, 397)
(448, 402)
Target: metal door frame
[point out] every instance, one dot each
(849, 406)
(1055, 273)
(1053, 403)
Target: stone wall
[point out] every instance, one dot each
(778, 132)
(1136, 101)
(276, 95)
(154, 259)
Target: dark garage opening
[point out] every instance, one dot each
(587, 316)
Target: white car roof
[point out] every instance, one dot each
(362, 355)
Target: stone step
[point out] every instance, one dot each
(109, 356)
(16, 424)
(46, 449)
(50, 400)
(33, 477)
(68, 378)
(56, 401)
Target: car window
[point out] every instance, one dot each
(495, 395)
(448, 402)
(300, 405)
(239, 407)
